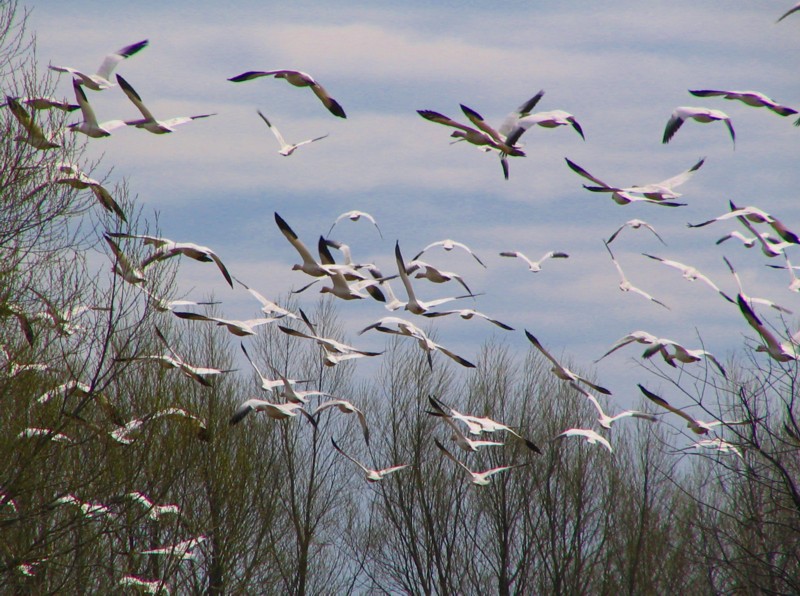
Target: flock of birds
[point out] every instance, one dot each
(347, 279)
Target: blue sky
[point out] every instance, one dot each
(619, 68)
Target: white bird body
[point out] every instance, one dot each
(617, 195)
(166, 248)
(447, 244)
(149, 122)
(635, 224)
(34, 135)
(123, 433)
(355, 215)
(345, 407)
(413, 304)
(550, 119)
(704, 115)
(236, 327)
(286, 149)
(273, 410)
(89, 125)
(477, 478)
(604, 419)
(182, 550)
(690, 273)
(370, 474)
(754, 215)
(591, 436)
(535, 266)
(102, 78)
(410, 330)
(751, 98)
(123, 266)
(298, 79)
(698, 427)
(777, 350)
(154, 511)
(561, 371)
(627, 286)
(656, 191)
(718, 444)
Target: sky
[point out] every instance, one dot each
(619, 69)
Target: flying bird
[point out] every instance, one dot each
(89, 125)
(34, 135)
(604, 419)
(69, 174)
(182, 550)
(750, 98)
(535, 266)
(591, 436)
(274, 411)
(448, 245)
(704, 115)
(477, 478)
(690, 273)
(345, 407)
(370, 474)
(101, 79)
(148, 122)
(356, 215)
(408, 329)
(550, 119)
(777, 350)
(698, 427)
(298, 79)
(754, 215)
(286, 148)
(483, 136)
(467, 313)
(44, 103)
(655, 191)
(236, 327)
(561, 371)
(414, 305)
(635, 224)
(627, 286)
(122, 265)
(166, 248)
(618, 196)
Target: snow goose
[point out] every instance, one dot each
(89, 125)
(34, 135)
(534, 266)
(101, 79)
(477, 478)
(698, 427)
(148, 122)
(561, 371)
(370, 474)
(750, 98)
(286, 148)
(298, 79)
(704, 115)
(604, 419)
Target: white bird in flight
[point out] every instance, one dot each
(777, 350)
(635, 224)
(69, 174)
(620, 197)
(627, 286)
(298, 79)
(286, 148)
(355, 215)
(102, 78)
(754, 215)
(182, 550)
(448, 245)
(561, 371)
(704, 115)
(345, 407)
(698, 427)
(534, 266)
(89, 125)
(604, 419)
(370, 474)
(148, 122)
(750, 98)
(691, 274)
(477, 478)
(34, 135)
(592, 437)
(236, 327)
